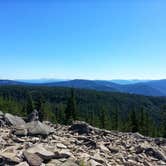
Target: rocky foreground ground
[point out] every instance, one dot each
(80, 144)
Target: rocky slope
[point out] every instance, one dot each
(77, 145)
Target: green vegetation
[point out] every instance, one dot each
(113, 111)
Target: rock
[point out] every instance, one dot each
(38, 128)
(32, 159)
(2, 160)
(139, 149)
(61, 146)
(20, 131)
(9, 157)
(14, 120)
(113, 149)
(103, 148)
(2, 123)
(23, 164)
(54, 162)
(41, 151)
(65, 153)
(98, 158)
(94, 163)
(69, 163)
(34, 116)
(66, 147)
(160, 141)
(155, 153)
(80, 128)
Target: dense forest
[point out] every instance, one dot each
(113, 111)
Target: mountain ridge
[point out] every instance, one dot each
(149, 88)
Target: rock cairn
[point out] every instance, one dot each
(45, 144)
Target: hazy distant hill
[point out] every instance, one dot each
(11, 82)
(83, 84)
(149, 88)
(126, 82)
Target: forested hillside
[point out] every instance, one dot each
(115, 111)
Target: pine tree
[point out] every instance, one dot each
(115, 118)
(104, 118)
(147, 123)
(142, 124)
(39, 101)
(163, 121)
(133, 122)
(70, 111)
(29, 106)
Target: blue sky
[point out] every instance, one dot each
(89, 39)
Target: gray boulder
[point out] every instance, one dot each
(80, 128)
(34, 116)
(32, 159)
(155, 153)
(38, 128)
(41, 152)
(14, 120)
(20, 131)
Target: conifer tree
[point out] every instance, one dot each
(29, 106)
(163, 121)
(133, 121)
(147, 124)
(70, 111)
(104, 118)
(115, 118)
(39, 101)
(142, 124)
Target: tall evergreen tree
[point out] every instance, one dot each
(29, 106)
(115, 118)
(142, 124)
(147, 123)
(39, 101)
(70, 111)
(104, 118)
(163, 121)
(133, 121)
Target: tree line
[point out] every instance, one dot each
(112, 111)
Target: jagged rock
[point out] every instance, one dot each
(54, 162)
(80, 128)
(160, 141)
(20, 131)
(94, 163)
(41, 151)
(65, 147)
(155, 153)
(23, 164)
(103, 148)
(2, 123)
(34, 116)
(61, 146)
(10, 158)
(14, 120)
(69, 163)
(98, 158)
(38, 128)
(33, 159)
(139, 149)
(113, 149)
(62, 154)
(2, 160)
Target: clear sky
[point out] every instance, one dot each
(89, 39)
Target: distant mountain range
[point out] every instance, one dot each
(145, 87)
